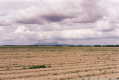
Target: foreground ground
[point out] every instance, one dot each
(59, 63)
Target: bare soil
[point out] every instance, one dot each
(63, 63)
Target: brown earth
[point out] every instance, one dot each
(63, 63)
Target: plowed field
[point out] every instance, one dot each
(60, 63)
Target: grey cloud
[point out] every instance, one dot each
(30, 21)
(54, 17)
(86, 12)
(59, 21)
(42, 19)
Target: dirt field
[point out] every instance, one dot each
(59, 63)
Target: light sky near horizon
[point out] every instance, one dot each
(24, 22)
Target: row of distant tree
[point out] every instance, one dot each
(61, 45)
(95, 45)
(106, 45)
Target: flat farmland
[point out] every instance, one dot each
(59, 63)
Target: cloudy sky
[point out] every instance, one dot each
(59, 21)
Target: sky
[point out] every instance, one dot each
(28, 22)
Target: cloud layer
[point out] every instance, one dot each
(59, 21)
